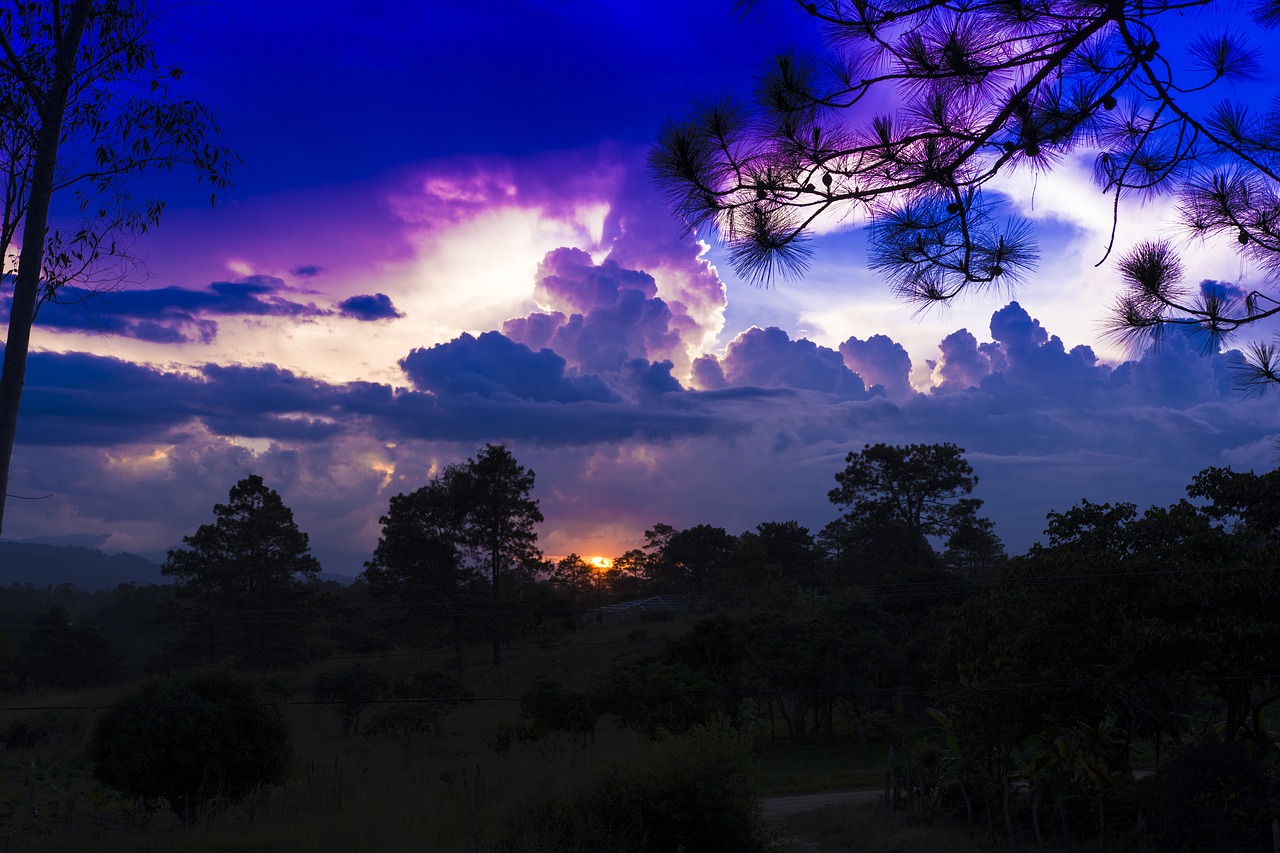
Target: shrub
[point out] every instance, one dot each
(189, 738)
(696, 791)
(1213, 796)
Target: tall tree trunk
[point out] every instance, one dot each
(26, 286)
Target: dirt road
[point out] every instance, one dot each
(776, 807)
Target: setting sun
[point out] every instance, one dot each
(600, 564)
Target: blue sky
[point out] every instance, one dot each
(443, 235)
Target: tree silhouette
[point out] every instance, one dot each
(916, 489)
(498, 523)
(419, 562)
(983, 88)
(239, 574)
(85, 105)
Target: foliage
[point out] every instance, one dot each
(472, 521)
(189, 738)
(1213, 796)
(688, 561)
(653, 697)
(241, 575)
(429, 696)
(349, 691)
(1124, 628)
(418, 566)
(698, 791)
(980, 90)
(86, 105)
(60, 654)
(547, 706)
(909, 493)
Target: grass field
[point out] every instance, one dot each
(352, 793)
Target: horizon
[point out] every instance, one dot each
(409, 266)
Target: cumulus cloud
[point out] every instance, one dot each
(880, 361)
(1022, 355)
(770, 359)
(375, 306)
(759, 435)
(497, 367)
(641, 235)
(599, 316)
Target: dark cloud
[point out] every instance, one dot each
(1044, 425)
(1223, 290)
(369, 307)
(308, 270)
(497, 367)
(167, 314)
(769, 358)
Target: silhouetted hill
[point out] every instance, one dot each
(87, 568)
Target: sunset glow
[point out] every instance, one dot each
(357, 313)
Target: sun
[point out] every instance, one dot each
(600, 564)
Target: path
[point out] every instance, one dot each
(776, 807)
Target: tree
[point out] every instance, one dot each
(982, 89)
(548, 706)
(687, 561)
(419, 563)
(189, 738)
(84, 105)
(349, 691)
(576, 578)
(60, 654)
(244, 577)
(498, 523)
(429, 696)
(918, 489)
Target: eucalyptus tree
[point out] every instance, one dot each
(84, 105)
(919, 107)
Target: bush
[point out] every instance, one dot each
(29, 732)
(696, 791)
(189, 738)
(1213, 796)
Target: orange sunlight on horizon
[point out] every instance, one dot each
(600, 564)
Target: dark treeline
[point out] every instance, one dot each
(1071, 691)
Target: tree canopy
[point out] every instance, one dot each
(473, 522)
(980, 89)
(239, 573)
(917, 489)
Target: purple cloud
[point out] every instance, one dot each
(880, 361)
(375, 306)
(600, 315)
(167, 314)
(769, 358)
(497, 367)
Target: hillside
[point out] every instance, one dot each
(87, 568)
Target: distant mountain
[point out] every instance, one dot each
(89, 569)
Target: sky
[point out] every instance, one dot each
(443, 235)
